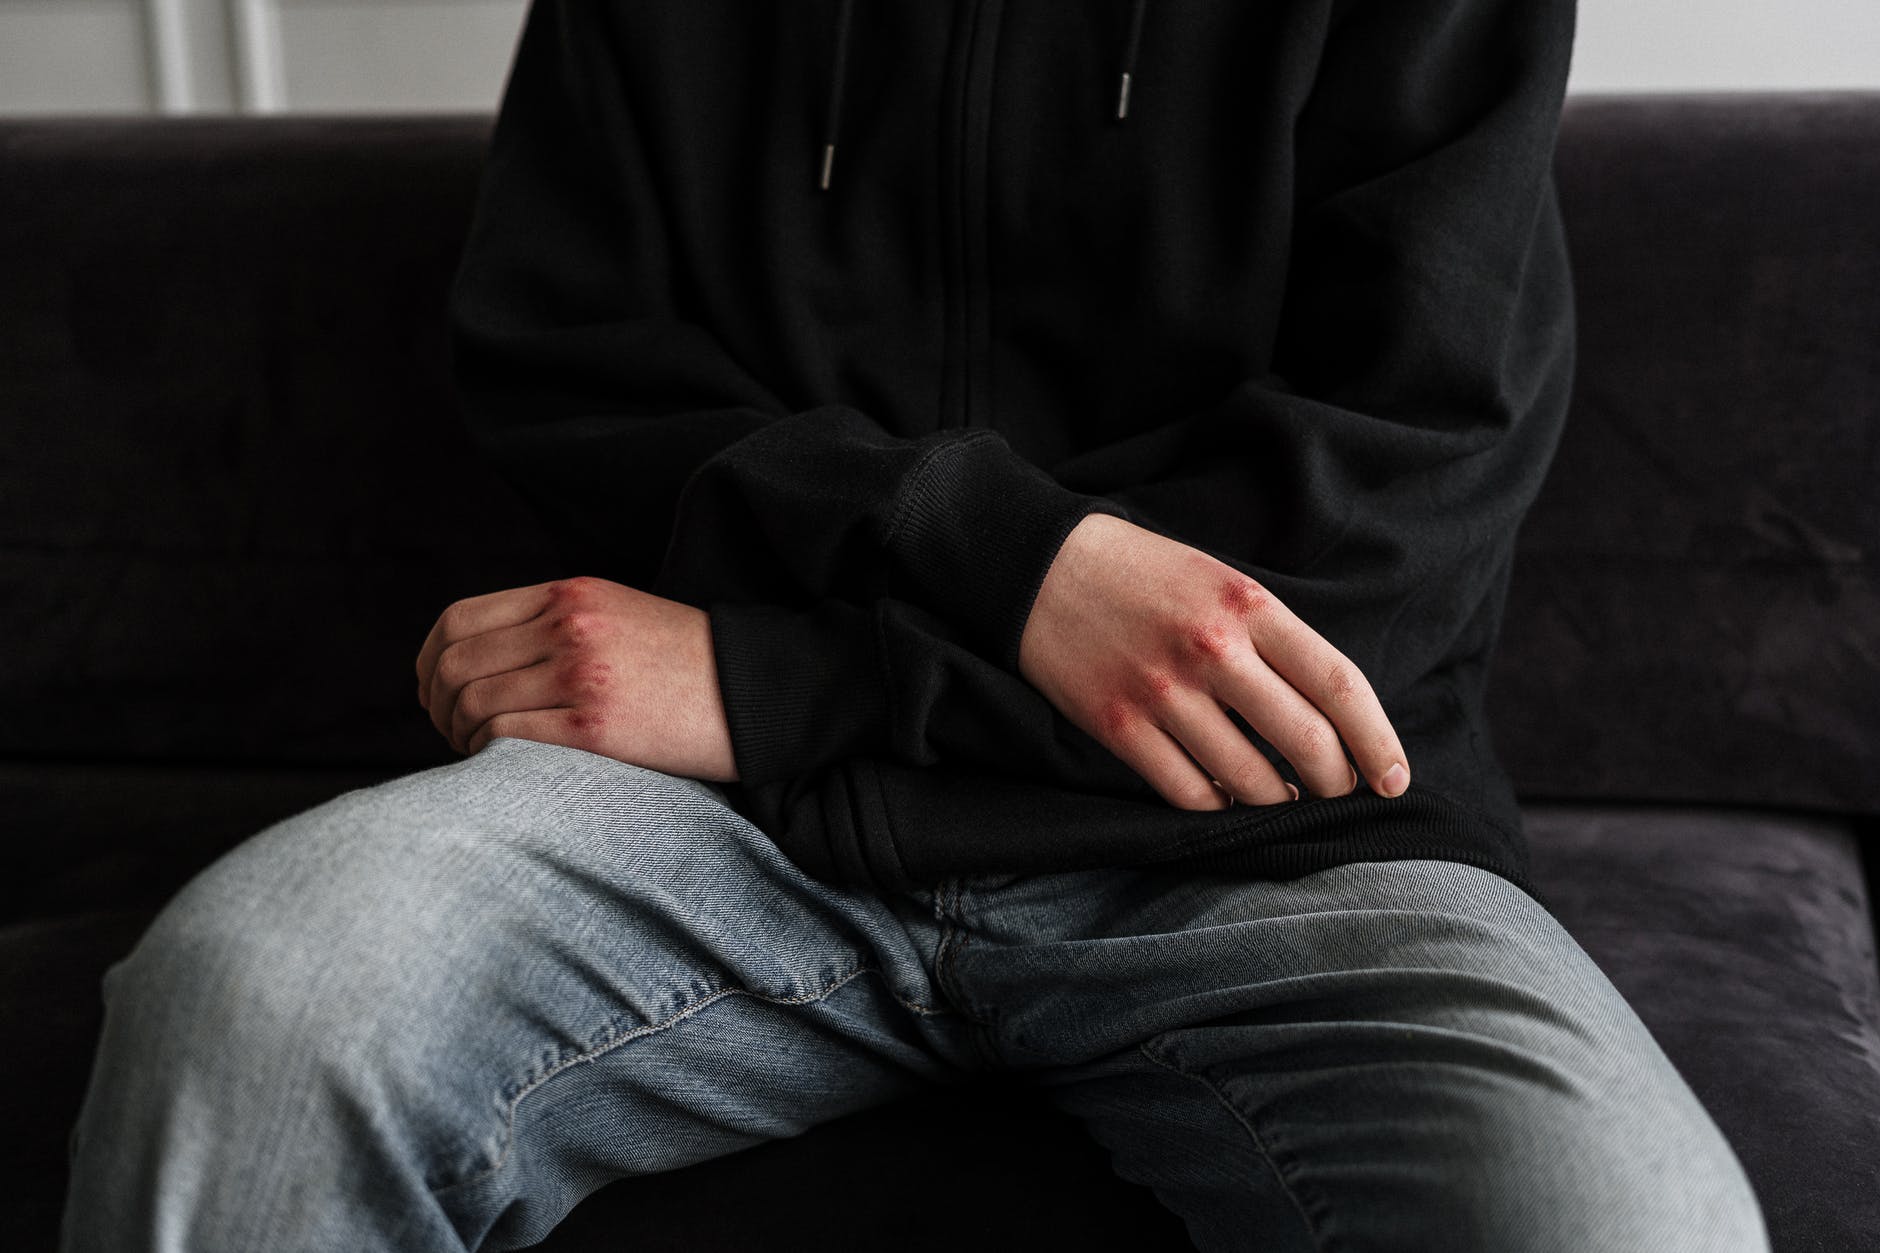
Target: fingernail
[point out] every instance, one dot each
(1396, 779)
(1292, 789)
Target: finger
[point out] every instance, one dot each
(514, 691)
(1335, 686)
(547, 726)
(479, 656)
(475, 615)
(1290, 723)
(1155, 755)
(1220, 748)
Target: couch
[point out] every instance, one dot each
(234, 494)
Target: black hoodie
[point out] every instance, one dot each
(833, 320)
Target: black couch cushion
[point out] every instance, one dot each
(1745, 941)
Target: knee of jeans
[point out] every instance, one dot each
(1645, 1170)
(311, 937)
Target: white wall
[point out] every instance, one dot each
(417, 55)
(60, 56)
(1726, 45)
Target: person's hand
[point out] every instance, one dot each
(585, 663)
(1145, 642)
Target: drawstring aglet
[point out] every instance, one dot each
(1130, 48)
(832, 119)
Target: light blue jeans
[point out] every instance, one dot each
(435, 1013)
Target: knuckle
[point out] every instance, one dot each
(451, 667)
(452, 619)
(573, 590)
(585, 680)
(577, 624)
(1196, 793)
(1158, 688)
(1207, 640)
(1244, 597)
(587, 726)
(1245, 780)
(1311, 737)
(1343, 683)
(1114, 719)
(470, 707)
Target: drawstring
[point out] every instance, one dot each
(845, 12)
(833, 117)
(1129, 56)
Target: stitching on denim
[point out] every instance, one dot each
(983, 1017)
(977, 1012)
(941, 897)
(613, 1042)
(953, 939)
(947, 964)
(916, 1006)
(1285, 1184)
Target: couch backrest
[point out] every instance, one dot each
(233, 479)
(231, 474)
(1694, 612)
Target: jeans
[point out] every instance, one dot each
(435, 1013)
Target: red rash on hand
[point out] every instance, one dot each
(1241, 597)
(1189, 642)
(1208, 642)
(1115, 717)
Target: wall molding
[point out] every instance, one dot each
(254, 56)
(260, 60)
(166, 37)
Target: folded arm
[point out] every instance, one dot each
(871, 594)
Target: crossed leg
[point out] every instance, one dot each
(435, 1013)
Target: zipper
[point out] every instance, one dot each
(965, 374)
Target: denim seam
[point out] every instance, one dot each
(615, 1041)
(970, 1009)
(985, 1034)
(1285, 1184)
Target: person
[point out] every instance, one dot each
(1038, 484)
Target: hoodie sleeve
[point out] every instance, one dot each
(652, 453)
(1374, 477)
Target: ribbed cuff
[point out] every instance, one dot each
(801, 688)
(978, 532)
